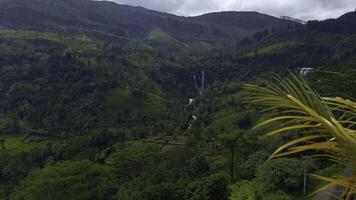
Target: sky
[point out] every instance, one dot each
(301, 9)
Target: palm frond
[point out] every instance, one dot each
(323, 125)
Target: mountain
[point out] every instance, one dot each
(103, 55)
(244, 20)
(124, 21)
(344, 24)
(107, 101)
(91, 57)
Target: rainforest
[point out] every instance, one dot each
(105, 101)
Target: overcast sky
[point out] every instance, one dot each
(303, 9)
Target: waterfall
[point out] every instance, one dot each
(305, 71)
(202, 86)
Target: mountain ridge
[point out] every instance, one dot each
(129, 21)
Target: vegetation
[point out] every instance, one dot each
(98, 101)
(324, 125)
(283, 174)
(15, 144)
(277, 48)
(68, 180)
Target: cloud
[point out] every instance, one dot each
(303, 9)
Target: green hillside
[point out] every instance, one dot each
(106, 101)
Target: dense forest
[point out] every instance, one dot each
(106, 101)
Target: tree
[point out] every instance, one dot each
(130, 160)
(280, 174)
(323, 125)
(2, 143)
(69, 180)
(209, 188)
(279, 195)
(163, 191)
(13, 125)
(249, 168)
(199, 166)
(230, 141)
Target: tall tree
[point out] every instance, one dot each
(231, 142)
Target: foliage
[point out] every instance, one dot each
(132, 159)
(162, 191)
(280, 174)
(249, 168)
(279, 195)
(15, 144)
(161, 174)
(232, 142)
(209, 188)
(327, 83)
(333, 170)
(325, 124)
(100, 78)
(243, 190)
(67, 180)
(199, 166)
(344, 24)
(277, 48)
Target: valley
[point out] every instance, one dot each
(123, 102)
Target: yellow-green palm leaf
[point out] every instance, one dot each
(325, 125)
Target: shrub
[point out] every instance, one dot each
(249, 167)
(68, 180)
(209, 188)
(279, 195)
(285, 174)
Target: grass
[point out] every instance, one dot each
(201, 47)
(275, 48)
(14, 144)
(73, 43)
(163, 37)
(184, 48)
